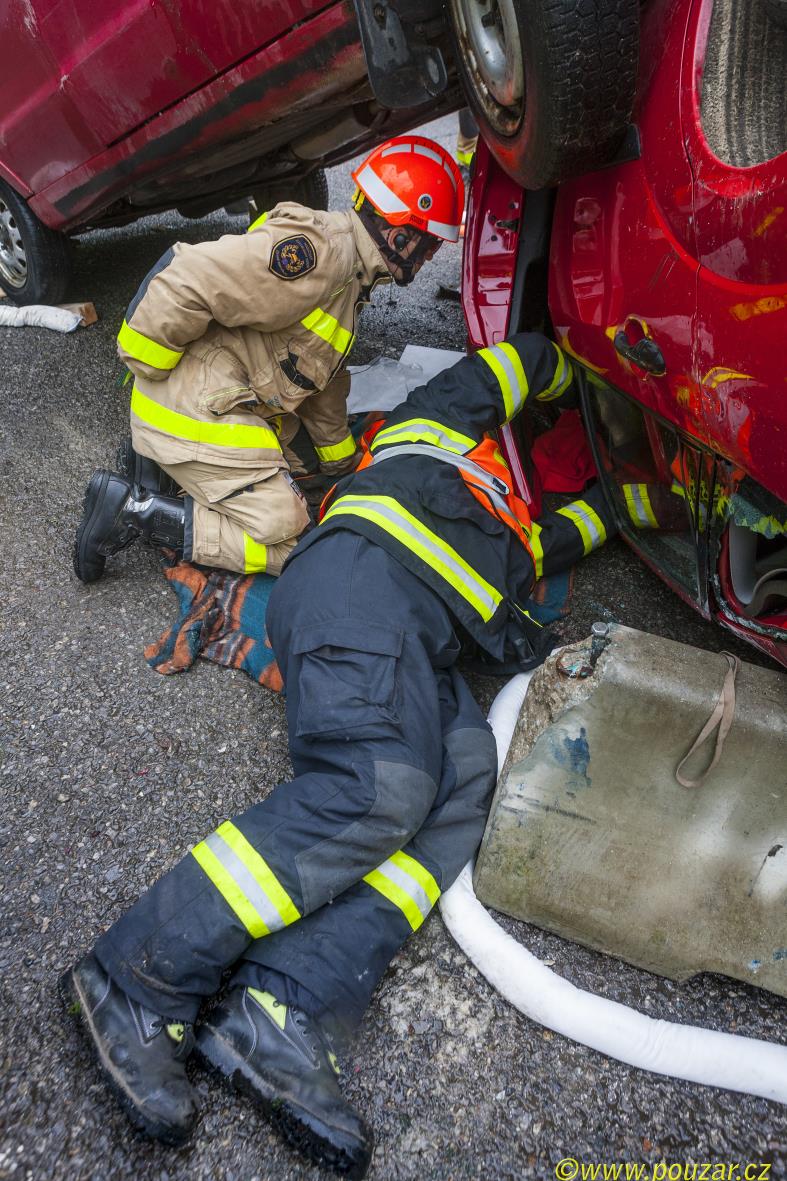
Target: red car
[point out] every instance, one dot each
(115, 110)
(664, 275)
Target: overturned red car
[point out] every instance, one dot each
(112, 111)
(664, 276)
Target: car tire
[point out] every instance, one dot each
(551, 82)
(311, 191)
(35, 262)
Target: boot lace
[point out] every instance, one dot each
(310, 1035)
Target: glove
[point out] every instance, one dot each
(314, 486)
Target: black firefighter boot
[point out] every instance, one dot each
(143, 1056)
(143, 472)
(115, 514)
(275, 1054)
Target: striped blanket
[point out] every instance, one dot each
(222, 618)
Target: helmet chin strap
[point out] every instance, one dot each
(376, 227)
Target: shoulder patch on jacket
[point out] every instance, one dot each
(293, 257)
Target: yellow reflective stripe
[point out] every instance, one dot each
(229, 890)
(255, 555)
(536, 548)
(639, 507)
(397, 895)
(329, 329)
(522, 387)
(337, 451)
(564, 375)
(148, 351)
(465, 158)
(506, 365)
(424, 430)
(260, 871)
(721, 502)
(407, 884)
(589, 523)
(419, 872)
(527, 615)
(388, 514)
(502, 379)
(220, 434)
(260, 221)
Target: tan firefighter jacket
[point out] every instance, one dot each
(227, 339)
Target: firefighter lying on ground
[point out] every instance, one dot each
(234, 344)
(310, 892)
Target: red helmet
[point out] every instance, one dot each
(412, 181)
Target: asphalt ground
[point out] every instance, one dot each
(111, 772)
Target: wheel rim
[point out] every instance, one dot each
(13, 257)
(488, 35)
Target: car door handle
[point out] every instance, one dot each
(645, 354)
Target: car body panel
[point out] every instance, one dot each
(740, 217)
(489, 265)
(623, 251)
(685, 249)
(78, 79)
(688, 251)
(490, 251)
(39, 125)
(109, 113)
(318, 59)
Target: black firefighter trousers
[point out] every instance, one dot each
(312, 891)
(321, 883)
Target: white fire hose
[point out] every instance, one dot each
(681, 1051)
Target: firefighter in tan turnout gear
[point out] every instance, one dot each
(234, 344)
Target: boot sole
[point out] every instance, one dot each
(227, 1065)
(76, 1007)
(84, 531)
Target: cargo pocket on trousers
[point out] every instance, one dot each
(238, 398)
(347, 681)
(228, 482)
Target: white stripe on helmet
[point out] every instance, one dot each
(441, 230)
(378, 192)
(451, 177)
(420, 150)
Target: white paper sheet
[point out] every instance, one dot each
(384, 383)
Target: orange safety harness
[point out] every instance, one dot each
(483, 469)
